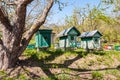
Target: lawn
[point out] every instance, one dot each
(65, 65)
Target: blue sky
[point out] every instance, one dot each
(58, 17)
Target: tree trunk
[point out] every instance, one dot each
(6, 60)
(14, 40)
(9, 48)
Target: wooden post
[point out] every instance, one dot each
(38, 49)
(87, 49)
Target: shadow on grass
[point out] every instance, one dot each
(99, 52)
(34, 61)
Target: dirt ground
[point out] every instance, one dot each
(66, 67)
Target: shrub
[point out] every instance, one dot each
(59, 51)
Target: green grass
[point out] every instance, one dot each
(100, 64)
(97, 75)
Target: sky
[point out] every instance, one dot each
(58, 16)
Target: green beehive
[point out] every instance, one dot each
(117, 48)
(68, 38)
(43, 38)
(31, 46)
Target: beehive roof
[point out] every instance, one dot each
(90, 34)
(66, 31)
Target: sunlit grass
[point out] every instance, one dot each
(100, 63)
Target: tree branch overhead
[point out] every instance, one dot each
(4, 19)
(40, 21)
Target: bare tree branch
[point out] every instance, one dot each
(21, 13)
(4, 19)
(20, 17)
(23, 2)
(32, 9)
(40, 21)
(35, 27)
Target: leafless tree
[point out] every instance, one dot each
(14, 40)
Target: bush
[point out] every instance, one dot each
(29, 52)
(59, 51)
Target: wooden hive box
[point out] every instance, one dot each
(43, 38)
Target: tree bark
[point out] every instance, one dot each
(13, 42)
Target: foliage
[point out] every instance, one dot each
(64, 77)
(97, 75)
(100, 17)
(32, 41)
